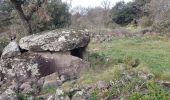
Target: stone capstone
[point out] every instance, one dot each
(57, 40)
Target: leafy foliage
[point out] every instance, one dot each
(5, 10)
(124, 14)
(50, 15)
(60, 14)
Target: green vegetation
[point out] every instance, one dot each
(49, 89)
(124, 13)
(155, 92)
(123, 68)
(152, 52)
(128, 91)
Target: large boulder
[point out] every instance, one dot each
(57, 40)
(65, 65)
(42, 60)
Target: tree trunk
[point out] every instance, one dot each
(25, 21)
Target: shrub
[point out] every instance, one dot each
(145, 21)
(98, 60)
(163, 26)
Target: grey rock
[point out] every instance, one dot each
(31, 98)
(102, 85)
(51, 80)
(5, 97)
(52, 84)
(8, 95)
(59, 82)
(142, 75)
(51, 97)
(63, 78)
(11, 50)
(60, 95)
(166, 83)
(81, 95)
(26, 88)
(67, 66)
(56, 40)
(41, 82)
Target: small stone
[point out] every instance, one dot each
(31, 98)
(166, 83)
(102, 85)
(26, 88)
(52, 97)
(59, 82)
(52, 84)
(63, 78)
(142, 75)
(81, 95)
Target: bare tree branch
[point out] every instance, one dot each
(106, 4)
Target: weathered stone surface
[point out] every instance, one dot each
(102, 85)
(47, 59)
(51, 97)
(81, 95)
(8, 95)
(51, 81)
(56, 40)
(26, 88)
(11, 50)
(60, 95)
(165, 83)
(69, 66)
(19, 70)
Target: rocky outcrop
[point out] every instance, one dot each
(42, 60)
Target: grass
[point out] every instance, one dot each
(153, 52)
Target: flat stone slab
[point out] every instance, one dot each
(56, 40)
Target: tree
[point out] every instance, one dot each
(40, 15)
(124, 13)
(159, 10)
(5, 10)
(106, 4)
(60, 14)
(32, 5)
(160, 13)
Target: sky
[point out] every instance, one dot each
(92, 3)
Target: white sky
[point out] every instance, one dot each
(92, 3)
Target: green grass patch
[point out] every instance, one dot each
(153, 52)
(49, 89)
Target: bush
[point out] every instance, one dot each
(145, 21)
(99, 60)
(59, 18)
(162, 27)
(50, 17)
(124, 13)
